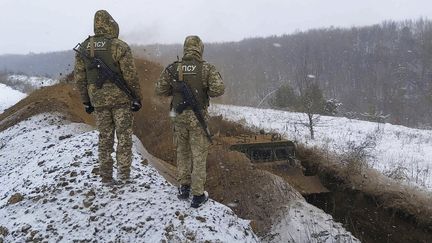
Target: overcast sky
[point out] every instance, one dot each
(52, 25)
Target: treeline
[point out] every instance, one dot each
(381, 70)
(51, 65)
(384, 69)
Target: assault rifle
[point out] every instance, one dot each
(189, 100)
(105, 73)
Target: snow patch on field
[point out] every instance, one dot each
(52, 164)
(399, 150)
(35, 82)
(9, 97)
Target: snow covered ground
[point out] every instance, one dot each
(303, 222)
(49, 191)
(50, 162)
(400, 151)
(9, 96)
(17, 87)
(35, 82)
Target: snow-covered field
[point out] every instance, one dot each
(9, 96)
(400, 151)
(35, 82)
(17, 87)
(50, 163)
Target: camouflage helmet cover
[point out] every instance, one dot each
(193, 46)
(104, 24)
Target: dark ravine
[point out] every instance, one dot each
(365, 216)
(366, 219)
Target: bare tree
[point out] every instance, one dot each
(312, 104)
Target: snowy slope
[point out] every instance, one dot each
(398, 149)
(50, 162)
(8, 97)
(303, 222)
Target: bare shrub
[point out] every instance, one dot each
(419, 174)
(398, 173)
(356, 155)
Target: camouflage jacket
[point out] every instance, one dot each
(212, 80)
(109, 95)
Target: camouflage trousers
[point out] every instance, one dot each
(192, 149)
(119, 120)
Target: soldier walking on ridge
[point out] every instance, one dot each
(190, 134)
(111, 105)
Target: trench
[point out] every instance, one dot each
(364, 216)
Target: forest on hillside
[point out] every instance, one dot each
(50, 65)
(384, 69)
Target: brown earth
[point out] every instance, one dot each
(253, 193)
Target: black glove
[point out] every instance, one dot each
(88, 107)
(136, 105)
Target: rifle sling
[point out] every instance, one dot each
(180, 72)
(92, 54)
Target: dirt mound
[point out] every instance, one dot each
(58, 98)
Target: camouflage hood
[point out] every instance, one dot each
(193, 47)
(104, 24)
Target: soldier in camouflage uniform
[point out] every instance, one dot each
(112, 107)
(191, 141)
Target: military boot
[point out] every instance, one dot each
(197, 201)
(184, 192)
(106, 175)
(124, 178)
(107, 180)
(123, 175)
